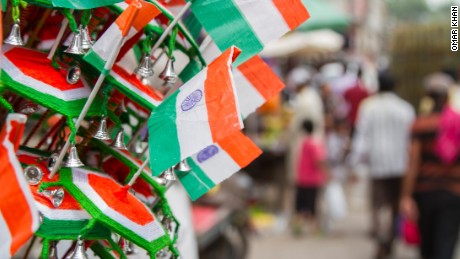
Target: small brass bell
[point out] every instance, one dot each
(75, 46)
(119, 141)
(168, 74)
(33, 175)
(53, 254)
(169, 175)
(86, 42)
(101, 132)
(73, 75)
(79, 251)
(55, 196)
(145, 68)
(15, 36)
(73, 160)
(183, 166)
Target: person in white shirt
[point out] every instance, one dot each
(381, 141)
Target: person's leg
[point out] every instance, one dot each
(447, 225)
(394, 192)
(381, 214)
(427, 208)
(375, 204)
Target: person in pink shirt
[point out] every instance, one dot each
(311, 175)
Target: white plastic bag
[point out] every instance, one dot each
(335, 200)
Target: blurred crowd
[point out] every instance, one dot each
(341, 122)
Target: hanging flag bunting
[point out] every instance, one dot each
(249, 25)
(255, 81)
(18, 214)
(30, 74)
(217, 162)
(102, 49)
(200, 113)
(83, 4)
(109, 203)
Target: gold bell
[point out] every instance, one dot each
(119, 141)
(86, 42)
(55, 196)
(73, 160)
(101, 132)
(15, 36)
(183, 166)
(53, 254)
(79, 251)
(168, 74)
(75, 46)
(145, 68)
(169, 175)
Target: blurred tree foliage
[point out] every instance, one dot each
(416, 11)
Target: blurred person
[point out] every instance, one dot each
(353, 97)
(307, 105)
(311, 175)
(431, 187)
(381, 141)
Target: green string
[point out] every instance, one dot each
(45, 249)
(105, 94)
(6, 104)
(147, 44)
(72, 23)
(85, 17)
(73, 130)
(172, 42)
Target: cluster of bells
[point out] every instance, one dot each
(80, 43)
(145, 70)
(79, 251)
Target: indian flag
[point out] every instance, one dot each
(132, 21)
(248, 24)
(217, 162)
(200, 113)
(99, 195)
(255, 81)
(69, 219)
(18, 214)
(30, 74)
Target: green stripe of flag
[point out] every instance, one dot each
(195, 182)
(163, 133)
(94, 59)
(226, 24)
(83, 4)
(4, 2)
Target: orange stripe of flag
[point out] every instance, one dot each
(138, 14)
(293, 12)
(220, 96)
(13, 203)
(262, 77)
(242, 150)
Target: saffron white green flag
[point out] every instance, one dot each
(217, 162)
(248, 24)
(130, 22)
(202, 112)
(255, 81)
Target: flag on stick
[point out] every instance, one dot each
(249, 25)
(255, 81)
(103, 48)
(217, 162)
(200, 113)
